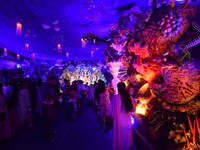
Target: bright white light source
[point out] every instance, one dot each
(18, 66)
(132, 120)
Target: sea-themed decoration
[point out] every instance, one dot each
(190, 137)
(148, 71)
(192, 43)
(93, 51)
(170, 24)
(196, 41)
(165, 27)
(114, 69)
(179, 85)
(138, 50)
(119, 46)
(196, 26)
(191, 108)
(141, 109)
(144, 97)
(123, 73)
(55, 26)
(173, 3)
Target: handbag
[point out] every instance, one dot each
(2, 116)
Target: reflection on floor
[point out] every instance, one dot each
(81, 134)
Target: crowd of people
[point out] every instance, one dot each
(22, 100)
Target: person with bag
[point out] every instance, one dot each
(5, 129)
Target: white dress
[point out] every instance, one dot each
(122, 131)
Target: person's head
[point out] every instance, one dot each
(121, 87)
(127, 104)
(24, 84)
(101, 86)
(74, 83)
(81, 82)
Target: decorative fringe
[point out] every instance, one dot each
(196, 26)
(192, 43)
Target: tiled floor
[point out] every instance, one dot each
(81, 134)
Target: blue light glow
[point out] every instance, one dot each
(132, 120)
(18, 66)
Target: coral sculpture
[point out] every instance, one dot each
(180, 84)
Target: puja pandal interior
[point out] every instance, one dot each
(155, 50)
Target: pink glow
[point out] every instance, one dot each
(19, 29)
(26, 46)
(5, 52)
(83, 42)
(67, 54)
(18, 56)
(59, 48)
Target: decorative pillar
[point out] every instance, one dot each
(114, 69)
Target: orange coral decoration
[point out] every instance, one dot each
(180, 85)
(148, 71)
(138, 50)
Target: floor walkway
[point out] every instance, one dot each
(81, 134)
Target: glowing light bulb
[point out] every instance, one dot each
(83, 42)
(67, 54)
(19, 29)
(59, 48)
(18, 56)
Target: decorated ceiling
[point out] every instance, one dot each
(52, 29)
